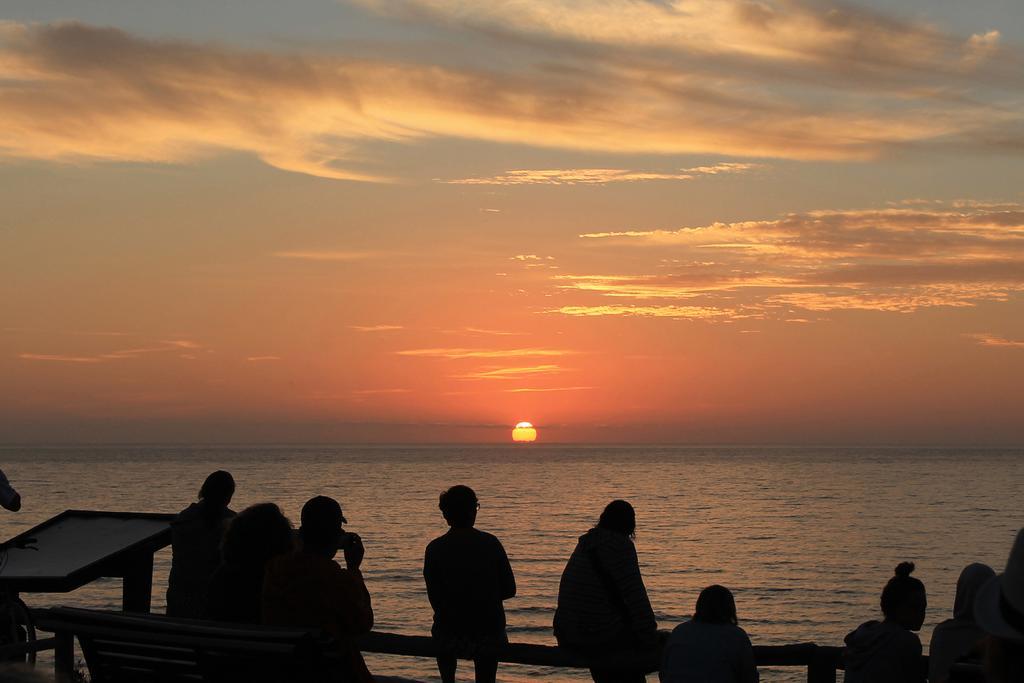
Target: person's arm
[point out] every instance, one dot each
(352, 606)
(746, 666)
(430, 577)
(624, 568)
(916, 670)
(507, 580)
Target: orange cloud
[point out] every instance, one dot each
(120, 354)
(895, 259)
(459, 353)
(600, 176)
(988, 339)
(325, 255)
(512, 373)
(63, 98)
(376, 328)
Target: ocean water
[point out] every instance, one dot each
(805, 537)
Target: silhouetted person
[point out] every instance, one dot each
(711, 647)
(468, 576)
(999, 610)
(253, 538)
(9, 498)
(889, 651)
(959, 638)
(603, 608)
(308, 588)
(196, 534)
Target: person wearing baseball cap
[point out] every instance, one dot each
(308, 588)
(999, 610)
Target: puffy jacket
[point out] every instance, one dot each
(601, 598)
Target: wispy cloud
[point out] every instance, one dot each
(460, 353)
(376, 328)
(893, 259)
(57, 358)
(261, 359)
(988, 339)
(542, 390)
(512, 373)
(600, 176)
(327, 255)
(120, 354)
(725, 77)
(495, 333)
(377, 392)
(680, 312)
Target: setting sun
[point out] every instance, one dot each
(524, 432)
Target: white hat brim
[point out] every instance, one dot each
(988, 613)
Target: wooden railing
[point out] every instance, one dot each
(821, 662)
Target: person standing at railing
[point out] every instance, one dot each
(196, 535)
(711, 647)
(468, 576)
(603, 609)
(889, 651)
(9, 498)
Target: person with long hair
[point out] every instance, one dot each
(889, 651)
(710, 647)
(603, 609)
(196, 535)
(256, 536)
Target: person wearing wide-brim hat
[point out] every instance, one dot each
(999, 610)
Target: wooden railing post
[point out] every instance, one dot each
(137, 589)
(64, 656)
(822, 667)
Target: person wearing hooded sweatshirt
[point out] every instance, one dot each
(603, 608)
(999, 610)
(889, 651)
(960, 637)
(196, 534)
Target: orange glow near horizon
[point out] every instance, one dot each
(524, 432)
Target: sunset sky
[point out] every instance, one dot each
(694, 221)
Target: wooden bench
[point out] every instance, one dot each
(133, 648)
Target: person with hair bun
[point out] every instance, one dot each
(889, 651)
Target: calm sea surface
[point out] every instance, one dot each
(806, 538)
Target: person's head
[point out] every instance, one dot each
(217, 490)
(618, 516)
(459, 506)
(321, 525)
(256, 535)
(715, 605)
(999, 611)
(904, 599)
(972, 578)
